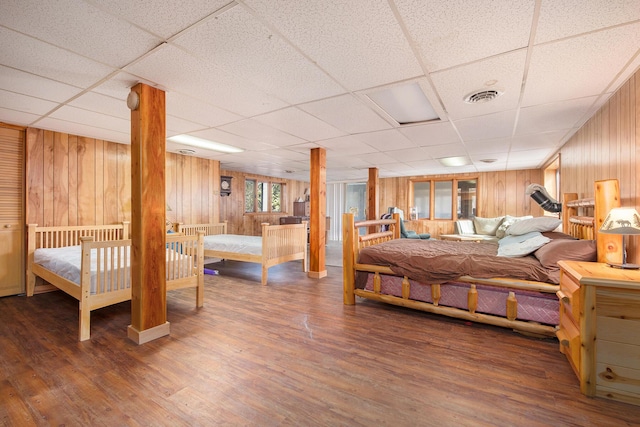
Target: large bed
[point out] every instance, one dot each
(466, 280)
(92, 264)
(278, 244)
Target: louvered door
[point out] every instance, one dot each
(11, 211)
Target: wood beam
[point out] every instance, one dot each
(148, 210)
(318, 207)
(373, 204)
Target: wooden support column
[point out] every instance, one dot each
(318, 207)
(373, 204)
(148, 209)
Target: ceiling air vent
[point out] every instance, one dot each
(482, 96)
(187, 152)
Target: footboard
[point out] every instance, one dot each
(282, 243)
(207, 229)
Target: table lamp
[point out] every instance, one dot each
(624, 221)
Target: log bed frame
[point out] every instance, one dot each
(581, 219)
(109, 242)
(280, 243)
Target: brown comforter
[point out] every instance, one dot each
(439, 261)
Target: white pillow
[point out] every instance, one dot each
(541, 224)
(508, 220)
(487, 226)
(521, 245)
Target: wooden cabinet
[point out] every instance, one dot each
(600, 328)
(11, 211)
(301, 209)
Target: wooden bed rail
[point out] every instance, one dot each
(55, 237)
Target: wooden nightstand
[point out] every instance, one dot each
(600, 328)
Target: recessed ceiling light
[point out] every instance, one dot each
(455, 161)
(204, 143)
(405, 103)
(482, 96)
(488, 160)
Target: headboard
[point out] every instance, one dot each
(582, 218)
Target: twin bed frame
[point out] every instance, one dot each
(105, 272)
(278, 244)
(581, 219)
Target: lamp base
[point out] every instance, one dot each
(625, 266)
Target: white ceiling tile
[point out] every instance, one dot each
(177, 125)
(299, 123)
(345, 146)
(538, 140)
(92, 118)
(86, 130)
(408, 155)
(447, 150)
(431, 133)
(449, 33)
(377, 159)
(565, 18)
(580, 66)
(88, 31)
(188, 108)
(347, 114)
(99, 103)
(119, 85)
(25, 104)
(517, 158)
(169, 65)
(17, 117)
(550, 117)
(230, 139)
(254, 130)
(259, 56)
(160, 16)
(359, 43)
(387, 139)
(498, 125)
(479, 148)
(42, 59)
(503, 73)
(35, 86)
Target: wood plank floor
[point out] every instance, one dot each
(286, 354)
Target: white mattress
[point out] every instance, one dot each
(66, 262)
(234, 243)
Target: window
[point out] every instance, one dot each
(439, 199)
(263, 196)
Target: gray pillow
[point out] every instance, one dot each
(508, 220)
(521, 245)
(487, 226)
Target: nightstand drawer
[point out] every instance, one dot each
(569, 295)
(569, 337)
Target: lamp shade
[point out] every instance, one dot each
(621, 221)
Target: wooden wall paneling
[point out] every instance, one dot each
(214, 191)
(49, 172)
(110, 184)
(86, 191)
(34, 170)
(203, 187)
(170, 186)
(124, 182)
(60, 178)
(99, 164)
(195, 203)
(73, 180)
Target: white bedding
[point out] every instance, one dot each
(235, 243)
(66, 262)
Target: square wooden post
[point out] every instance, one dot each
(318, 207)
(148, 233)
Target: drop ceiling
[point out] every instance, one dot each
(280, 77)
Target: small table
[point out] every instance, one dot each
(460, 238)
